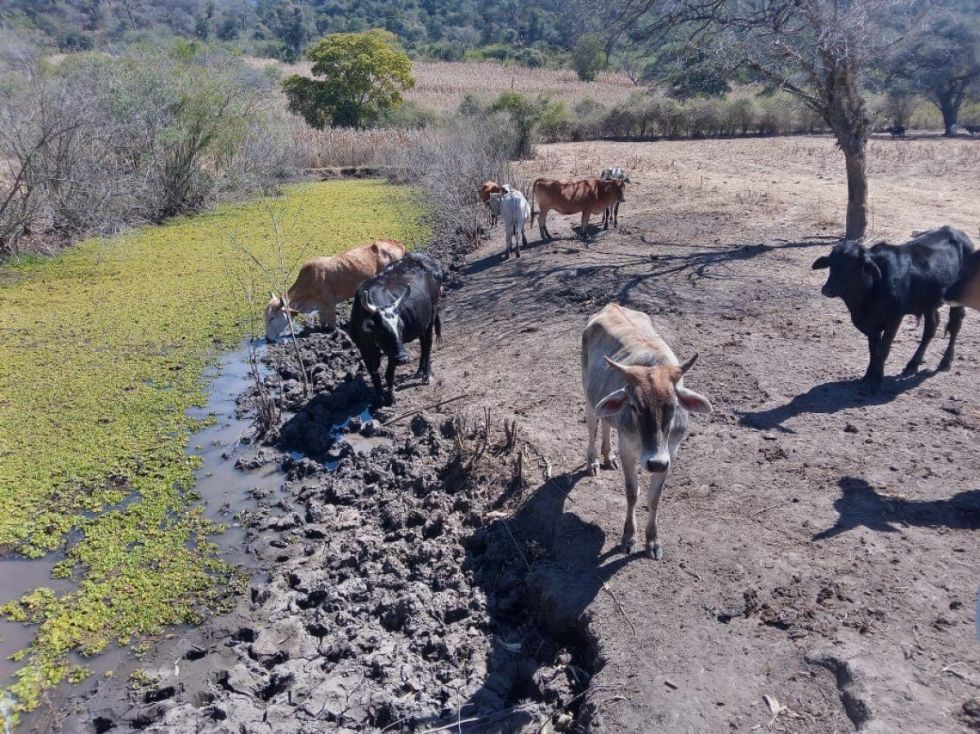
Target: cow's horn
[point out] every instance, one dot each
(616, 365)
(689, 364)
(366, 302)
(398, 301)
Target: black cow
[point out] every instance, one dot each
(396, 307)
(896, 131)
(885, 283)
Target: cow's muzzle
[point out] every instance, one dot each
(657, 466)
(402, 358)
(828, 291)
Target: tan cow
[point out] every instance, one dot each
(587, 196)
(490, 193)
(633, 382)
(323, 282)
(966, 290)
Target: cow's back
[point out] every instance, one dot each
(625, 336)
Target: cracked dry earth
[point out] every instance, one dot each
(821, 546)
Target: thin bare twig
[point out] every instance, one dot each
(402, 416)
(605, 587)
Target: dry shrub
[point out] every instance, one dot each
(448, 166)
(97, 143)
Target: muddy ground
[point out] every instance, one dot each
(820, 545)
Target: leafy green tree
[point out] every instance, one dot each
(588, 57)
(524, 116)
(361, 75)
(943, 64)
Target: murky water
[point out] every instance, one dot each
(225, 492)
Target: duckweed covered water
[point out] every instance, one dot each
(102, 350)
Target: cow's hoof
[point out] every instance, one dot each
(945, 366)
(517, 254)
(426, 378)
(506, 256)
(610, 463)
(655, 551)
(910, 370)
(626, 546)
(594, 468)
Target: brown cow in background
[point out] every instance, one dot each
(587, 196)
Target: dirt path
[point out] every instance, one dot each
(820, 547)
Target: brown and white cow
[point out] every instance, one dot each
(966, 290)
(490, 193)
(587, 196)
(633, 382)
(323, 282)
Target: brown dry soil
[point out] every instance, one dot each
(820, 564)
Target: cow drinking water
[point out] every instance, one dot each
(633, 382)
(392, 309)
(323, 282)
(885, 283)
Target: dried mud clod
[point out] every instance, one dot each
(395, 587)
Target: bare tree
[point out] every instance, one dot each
(816, 50)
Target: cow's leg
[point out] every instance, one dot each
(425, 361)
(629, 455)
(605, 218)
(523, 239)
(608, 461)
(654, 492)
(517, 241)
(931, 320)
(585, 225)
(591, 457)
(328, 314)
(542, 225)
(390, 380)
(616, 215)
(373, 364)
(507, 251)
(956, 316)
(880, 344)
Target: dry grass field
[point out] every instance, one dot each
(786, 182)
(442, 85)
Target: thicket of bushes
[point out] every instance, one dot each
(94, 143)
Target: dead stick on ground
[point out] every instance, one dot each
(605, 587)
(766, 509)
(402, 416)
(516, 545)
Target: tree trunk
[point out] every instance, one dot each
(857, 193)
(950, 112)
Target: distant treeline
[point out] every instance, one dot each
(530, 32)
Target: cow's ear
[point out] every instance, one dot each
(871, 268)
(693, 401)
(612, 404)
(375, 248)
(821, 263)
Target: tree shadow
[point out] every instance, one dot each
(559, 587)
(861, 506)
(830, 397)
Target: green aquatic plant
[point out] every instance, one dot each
(102, 351)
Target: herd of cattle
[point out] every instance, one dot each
(632, 380)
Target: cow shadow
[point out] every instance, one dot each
(559, 587)
(861, 506)
(829, 398)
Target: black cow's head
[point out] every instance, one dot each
(852, 271)
(386, 325)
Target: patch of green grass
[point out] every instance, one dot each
(102, 351)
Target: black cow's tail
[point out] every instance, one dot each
(438, 324)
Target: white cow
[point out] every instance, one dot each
(633, 382)
(609, 174)
(516, 212)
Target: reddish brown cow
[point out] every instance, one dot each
(587, 196)
(487, 191)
